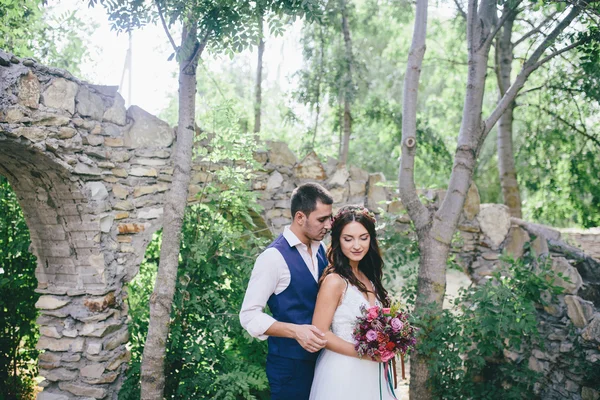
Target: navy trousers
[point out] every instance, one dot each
(289, 379)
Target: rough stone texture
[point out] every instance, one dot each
(472, 203)
(573, 280)
(91, 178)
(377, 195)
(310, 168)
(280, 154)
(517, 237)
(579, 310)
(147, 130)
(494, 221)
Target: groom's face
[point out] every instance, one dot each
(318, 222)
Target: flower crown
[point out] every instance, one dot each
(357, 210)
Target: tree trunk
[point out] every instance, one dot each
(319, 79)
(153, 360)
(506, 158)
(347, 89)
(435, 231)
(258, 89)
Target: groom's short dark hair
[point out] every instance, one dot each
(305, 197)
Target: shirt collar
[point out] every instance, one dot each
(293, 240)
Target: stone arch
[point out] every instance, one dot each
(90, 178)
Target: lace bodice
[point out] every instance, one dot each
(344, 318)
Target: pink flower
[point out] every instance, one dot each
(396, 324)
(372, 313)
(371, 335)
(386, 355)
(385, 310)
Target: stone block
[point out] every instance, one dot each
(93, 140)
(275, 181)
(60, 94)
(50, 331)
(114, 142)
(376, 194)
(591, 333)
(97, 191)
(124, 206)
(574, 283)
(472, 203)
(147, 130)
(51, 303)
(33, 133)
(80, 389)
(151, 213)
(151, 189)
(310, 168)
(59, 374)
(89, 104)
(579, 310)
(29, 90)
(280, 154)
(339, 178)
(118, 360)
(94, 370)
(588, 393)
(116, 112)
(517, 237)
(150, 162)
(45, 395)
(116, 339)
(62, 344)
(494, 221)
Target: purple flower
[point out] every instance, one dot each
(396, 324)
(371, 335)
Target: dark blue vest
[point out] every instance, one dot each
(296, 303)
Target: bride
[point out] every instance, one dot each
(352, 279)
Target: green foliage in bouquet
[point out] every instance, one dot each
(209, 355)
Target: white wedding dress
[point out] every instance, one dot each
(342, 377)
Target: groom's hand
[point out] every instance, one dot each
(310, 338)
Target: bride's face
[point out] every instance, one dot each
(355, 241)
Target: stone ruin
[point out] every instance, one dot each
(91, 175)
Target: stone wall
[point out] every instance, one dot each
(570, 327)
(588, 240)
(91, 176)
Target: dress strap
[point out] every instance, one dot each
(344, 292)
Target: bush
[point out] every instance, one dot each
(467, 346)
(18, 330)
(209, 355)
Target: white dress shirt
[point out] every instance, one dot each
(271, 275)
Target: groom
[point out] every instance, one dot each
(285, 277)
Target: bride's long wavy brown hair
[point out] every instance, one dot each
(371, 265)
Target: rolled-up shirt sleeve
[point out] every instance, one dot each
(266, 279)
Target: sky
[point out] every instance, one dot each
(153, 76)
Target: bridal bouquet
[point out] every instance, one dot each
(383, 332)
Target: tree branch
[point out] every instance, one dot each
(535, 30)
(557, 52)
(460, 9)
(472, 16)
(406, 177)
(528, 67)
(165, 27)
(506, 14)
(566, 123)
(199, 49)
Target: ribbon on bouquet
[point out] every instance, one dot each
(387, 374)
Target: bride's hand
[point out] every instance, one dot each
(310, 338)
